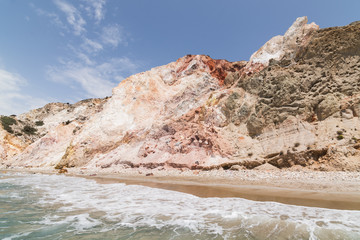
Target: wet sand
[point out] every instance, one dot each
(336, 190)
(256, 192)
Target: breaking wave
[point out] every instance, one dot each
(57, 206)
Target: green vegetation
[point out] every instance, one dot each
(340, 137)
(39, 123)
(7, 122)
(29, 130)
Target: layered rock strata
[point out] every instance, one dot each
(295, 102)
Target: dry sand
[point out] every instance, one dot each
(338, 190)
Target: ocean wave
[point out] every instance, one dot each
(83, 204)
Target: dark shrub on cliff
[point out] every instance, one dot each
(29, 130)
(7, 122)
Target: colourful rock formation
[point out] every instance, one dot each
(296, 102)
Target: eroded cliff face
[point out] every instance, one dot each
(295, 103)
(41, 136)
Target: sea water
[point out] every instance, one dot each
(39, 206)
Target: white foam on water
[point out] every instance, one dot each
(111, 206)
(79, 222)
(14, 195)
(20, 235)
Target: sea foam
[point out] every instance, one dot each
(83, 204)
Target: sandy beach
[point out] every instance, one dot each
(336, 190)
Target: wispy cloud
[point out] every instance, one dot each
(96, 81)
(10, 81)
(84, 58)
(113, 35)
(12, 98)
(89, 68)
(73, 16)
(55, 19)
(91, 46)
(95, 9)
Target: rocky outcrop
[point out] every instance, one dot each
(284, 47)
(295, 103)
(35, 137)
(142, 110)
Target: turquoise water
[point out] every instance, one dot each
(38, 206)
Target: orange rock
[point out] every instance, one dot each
(63, 170)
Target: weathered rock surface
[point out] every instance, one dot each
(295, 103)
(287, 46)
(51, 129)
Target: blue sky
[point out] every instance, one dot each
(65, 51)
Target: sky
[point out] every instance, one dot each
(69, 50)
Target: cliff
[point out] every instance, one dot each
(296, 102)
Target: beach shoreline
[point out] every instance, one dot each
(335, 190)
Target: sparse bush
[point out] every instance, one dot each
(340, 137)
(7, 122)
(8, 129)
(29, 130)
(354, 140)
(39, 123)
(297, 144)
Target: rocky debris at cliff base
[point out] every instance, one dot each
(334, 181)
(266, 167)
(63, 170)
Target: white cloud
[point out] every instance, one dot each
(95, 81)
(90, 79)
(53, 16)
(82, 53)
(95, 9)
(91, 46)
(86, 68)
(85, 58)
(13, 100)
(113, 35)
(73, 16)
(17, 103)
(10, 81)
